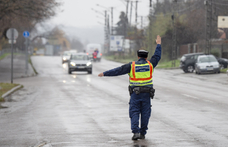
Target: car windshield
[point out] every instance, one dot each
(207, 59)
(80, 57)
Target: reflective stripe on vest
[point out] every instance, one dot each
(141, 74)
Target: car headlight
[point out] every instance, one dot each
(89, 63)
(72, 64)
(202, 67)
(216, 65)
(64, 58)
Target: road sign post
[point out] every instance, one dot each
(26, 35)
(12, 35)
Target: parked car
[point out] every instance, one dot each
(187, 61)
(222, 62)
(207, 63)
(80, 62)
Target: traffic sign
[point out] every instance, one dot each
(26, 34)
(10, 32)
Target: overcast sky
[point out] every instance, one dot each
(79, 13)
(78, 20)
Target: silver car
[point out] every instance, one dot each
(206, 63)
(80, 62)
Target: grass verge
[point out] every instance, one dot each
(168, 64)
(4, 55)
(224, 70)
(6, 87)
(30, 61)
(120, 59)
(163, 64)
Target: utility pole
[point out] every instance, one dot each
(105, 30)
(141, 22)
(108, 33)
(127, 9)
(150, 27)
(174, 37)
(208, 4)
(112, 20)
(136, 16)
(125, 26)
(131, 13)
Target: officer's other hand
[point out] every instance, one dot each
(158, 40)
(101, 74)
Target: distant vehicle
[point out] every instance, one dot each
(40, 52)
(49, 50)
(187, 61)
(207, 63)
(90, 48)
(222, 62)
(80, 62)
(65, 56)
(73, 51)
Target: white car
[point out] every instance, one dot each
(206, 63)
(65, 56)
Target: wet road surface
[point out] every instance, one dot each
(61, 110)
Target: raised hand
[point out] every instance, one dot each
(158, 40)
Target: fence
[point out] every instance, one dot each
(218, 48)
(3, 51)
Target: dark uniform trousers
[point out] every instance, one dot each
(140, 105)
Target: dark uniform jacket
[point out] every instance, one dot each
(126, 68)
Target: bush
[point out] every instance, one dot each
(215, 52)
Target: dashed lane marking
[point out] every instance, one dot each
(189, 96)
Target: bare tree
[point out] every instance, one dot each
(25, 13)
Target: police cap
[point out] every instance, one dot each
(142, 53)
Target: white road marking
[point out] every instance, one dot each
(189, 96)
(196, 98)
(209, 101)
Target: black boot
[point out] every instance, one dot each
(142, 136)
(136, 136)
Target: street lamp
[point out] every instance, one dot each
(99, 12)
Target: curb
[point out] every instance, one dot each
(26, 76)
(11, 91)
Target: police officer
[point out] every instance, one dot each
(140, 88)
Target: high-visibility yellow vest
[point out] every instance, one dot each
(141, 74)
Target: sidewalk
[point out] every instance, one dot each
(18, 68)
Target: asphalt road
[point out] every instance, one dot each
(81, 110)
